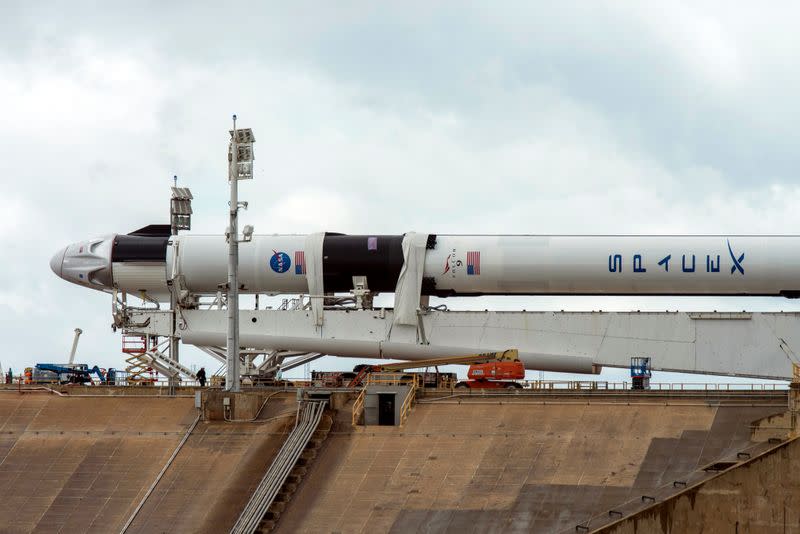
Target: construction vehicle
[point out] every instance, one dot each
(332, 379)
(339, 379)
(74, 349)
(487, 370)
(640, 372)
(76, 373)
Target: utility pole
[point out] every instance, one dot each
(240, 167)
(180, 218)
(173, 300)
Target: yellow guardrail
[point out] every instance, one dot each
(358, 406)
(405, 409)
(391, 379)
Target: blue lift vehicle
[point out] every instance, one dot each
(74, 373)
(640, 373)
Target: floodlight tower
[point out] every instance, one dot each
(180, 218)
(240, 167)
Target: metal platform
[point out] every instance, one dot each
(542, 460)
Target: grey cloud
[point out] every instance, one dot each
(649, 72)
(453, 118)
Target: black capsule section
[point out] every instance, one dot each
(378, 257)
(129, 248)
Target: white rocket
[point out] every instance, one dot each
(464, 265)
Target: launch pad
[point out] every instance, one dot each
(547, 461)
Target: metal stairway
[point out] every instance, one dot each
(283, 464)
(141, 363)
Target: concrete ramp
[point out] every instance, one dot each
(216, 472)
(496, 465)
(759, 495)
(80, 464)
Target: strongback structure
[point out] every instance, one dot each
(759, 345)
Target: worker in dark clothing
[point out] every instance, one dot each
(201, 377)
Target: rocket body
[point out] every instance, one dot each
(453, 264)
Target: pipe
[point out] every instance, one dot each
(161, 474)
(259, 410)
(277, 473)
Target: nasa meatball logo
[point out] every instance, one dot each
(280, 262)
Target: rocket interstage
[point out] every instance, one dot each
(453, 265)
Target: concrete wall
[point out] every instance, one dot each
(72, 464)
(372, 397)
(242, 406)
(214, 475)
(116, 391)
(762, 495)
(499, 465)
(82, 464)
(245, 405)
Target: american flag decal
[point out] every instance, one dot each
(474, 262)
(299, 262)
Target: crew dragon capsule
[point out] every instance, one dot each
(454, 265)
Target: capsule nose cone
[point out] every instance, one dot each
(57, 261)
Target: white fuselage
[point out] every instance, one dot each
(527, 264)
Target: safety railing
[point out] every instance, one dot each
(119, 381)
(134, 344)
(358, 406)
(122, 379)
(391, 379)
(405, 408)
(657, 386)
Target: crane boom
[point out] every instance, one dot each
(509, 355)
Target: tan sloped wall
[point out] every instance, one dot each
(760, 496)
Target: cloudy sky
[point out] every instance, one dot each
(580, 117)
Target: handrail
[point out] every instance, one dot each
(358, 406)
(694, 479)
(654, 386)
(160, 475)
(405, 409)
(123, 381)
(396, 379)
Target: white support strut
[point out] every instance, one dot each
(409, 283)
